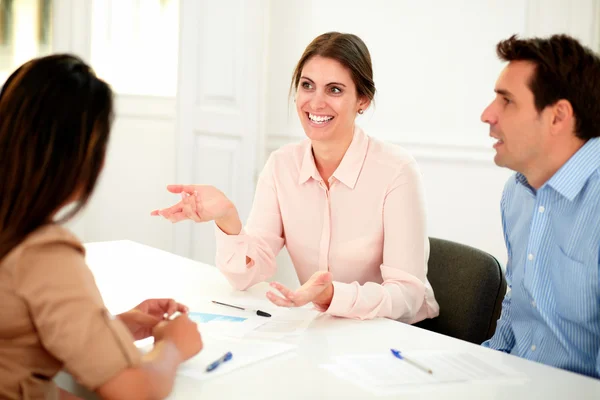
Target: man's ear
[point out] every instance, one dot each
(562, 117)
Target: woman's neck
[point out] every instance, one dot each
(329, 154)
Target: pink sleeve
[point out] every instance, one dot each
(405, 254)
(260, 240)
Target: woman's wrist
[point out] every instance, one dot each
(324, 299)
(230, 223)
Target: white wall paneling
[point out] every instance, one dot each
(71, 33)
(217, 159)
(71, 20)
(140, 163)
(218, 132)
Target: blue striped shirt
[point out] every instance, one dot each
(552, 312)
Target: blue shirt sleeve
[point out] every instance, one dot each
(504, 338)
(598, 363)
(598, 357)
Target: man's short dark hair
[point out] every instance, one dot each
(564, 69)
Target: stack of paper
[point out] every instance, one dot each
(383, 374)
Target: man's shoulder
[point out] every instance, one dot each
(510, 187)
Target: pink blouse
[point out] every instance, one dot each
(368, 229)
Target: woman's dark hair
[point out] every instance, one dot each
(347, 49)
(55, 118)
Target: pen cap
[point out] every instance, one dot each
(262, 313)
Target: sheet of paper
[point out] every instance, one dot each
(225, 325)
(291, 322)
(226, 321)
(245, 352)
(339, 371)
(206, 318)
(384, 374)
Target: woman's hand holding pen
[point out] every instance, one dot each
(165, 319)
(318, 290)
(142, 319)
(183, 333)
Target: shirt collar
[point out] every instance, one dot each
(572, 176)
(520, 178)
(350, 166)
(308, 169)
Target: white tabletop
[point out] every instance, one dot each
(127, 273)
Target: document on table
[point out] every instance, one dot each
(225, 325)
(244, 352)
(288, 322)
(384, 374)
(206, 318)
(225, 321)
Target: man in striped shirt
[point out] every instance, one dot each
(546, 119)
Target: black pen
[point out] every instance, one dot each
(258, 312)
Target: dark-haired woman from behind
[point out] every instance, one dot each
(55, 119)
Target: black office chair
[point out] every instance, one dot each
(469, 286)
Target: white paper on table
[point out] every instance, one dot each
(236, 330)
(245, 352)
(225, 325)
(385, 374)
(288, 322)
(283, 321)
(339, 371)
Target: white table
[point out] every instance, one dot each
(128, 272)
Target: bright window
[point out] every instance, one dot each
(25, 32)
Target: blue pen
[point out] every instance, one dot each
(226, 357)
(399, 355)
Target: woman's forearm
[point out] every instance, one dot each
(160, 366)
(153, 379)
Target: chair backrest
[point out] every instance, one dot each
(469, 285)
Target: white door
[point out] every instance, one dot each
(221, 71)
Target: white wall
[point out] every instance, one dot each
(135, 42)
(141, 154)
(434, 69)
(140, 163)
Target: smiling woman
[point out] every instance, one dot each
(349, 208)
(333, 81)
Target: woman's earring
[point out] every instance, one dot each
(360, 111)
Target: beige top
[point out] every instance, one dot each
(53, 317)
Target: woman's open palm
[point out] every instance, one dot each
(200, 203)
